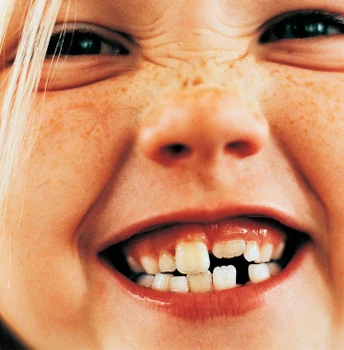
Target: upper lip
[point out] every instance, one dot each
(206, 216)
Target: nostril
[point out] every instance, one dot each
(176, 149)
(240, 148)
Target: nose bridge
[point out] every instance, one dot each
(202, 123)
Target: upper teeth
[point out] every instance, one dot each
(192, 257)
(229, 249)
(252, 252)
(167, 262)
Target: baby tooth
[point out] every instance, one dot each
(266, 253)
(146, 280)
(134, 265)
(192, 257)
(251, 252)
(229, 249)
(162, 282)
(274, 268)
(179, 284)
(200, 282)
(150, 265)
(224, 277)
(278, 251)
(258, 272)
(166, 262)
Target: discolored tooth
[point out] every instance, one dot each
(179, 284)
(274, 268)
(192, 257)
(258, 272)
(265, 253)
(150, 265)
(278, 251)
(166, 262)
(134, 265)
(251, 252)
(200, 282)
(224, 277)
(145, 280)
(229, 249)
(162, 282)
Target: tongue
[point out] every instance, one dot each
(165, 240)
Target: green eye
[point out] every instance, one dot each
(80, 43)
(304, 25)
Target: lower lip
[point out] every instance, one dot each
(234, 302)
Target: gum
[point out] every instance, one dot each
(165, 240)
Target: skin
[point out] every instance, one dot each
(98, 165)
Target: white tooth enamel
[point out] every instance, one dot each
(258, 272)
(251, 252)
(224, 277)
(229, 249)
(192, 257)
(274, 268)
(162, 282)
(134, 265)
(146, 280)
(278, 251)
(179, 284)
(265, 253)
(166, 262)
(150, 265)
(200, 282)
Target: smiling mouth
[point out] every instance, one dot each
(203, 258)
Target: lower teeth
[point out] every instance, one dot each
(222, 278)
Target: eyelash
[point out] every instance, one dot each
(81, 42)
(301, 25)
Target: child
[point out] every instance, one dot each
(172, 174)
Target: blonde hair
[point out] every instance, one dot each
(21, 83)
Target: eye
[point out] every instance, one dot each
(86, 41)
(305, 24)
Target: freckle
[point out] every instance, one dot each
(197, 81)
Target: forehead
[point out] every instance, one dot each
(146, 12)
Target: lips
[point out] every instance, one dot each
(240, 257)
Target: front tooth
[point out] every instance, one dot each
(179, 284)
(224, 277)
(229, 249)
(150, 265)
(200, 282)
(166, 262)
(266, 253)
(278, 251)
(146, 280)
(258, 272)
(192, 257)
(162, 282)
(134, 265)
(251, 252)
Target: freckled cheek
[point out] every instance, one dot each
(305, 109)
(84, 135)
(79, 147)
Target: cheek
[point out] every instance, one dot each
(80, 144)
(306, 113)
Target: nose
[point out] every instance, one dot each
(203, 124)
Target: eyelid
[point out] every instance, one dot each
(107, 34)
(336, 18)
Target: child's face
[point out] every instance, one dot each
(206, 112)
